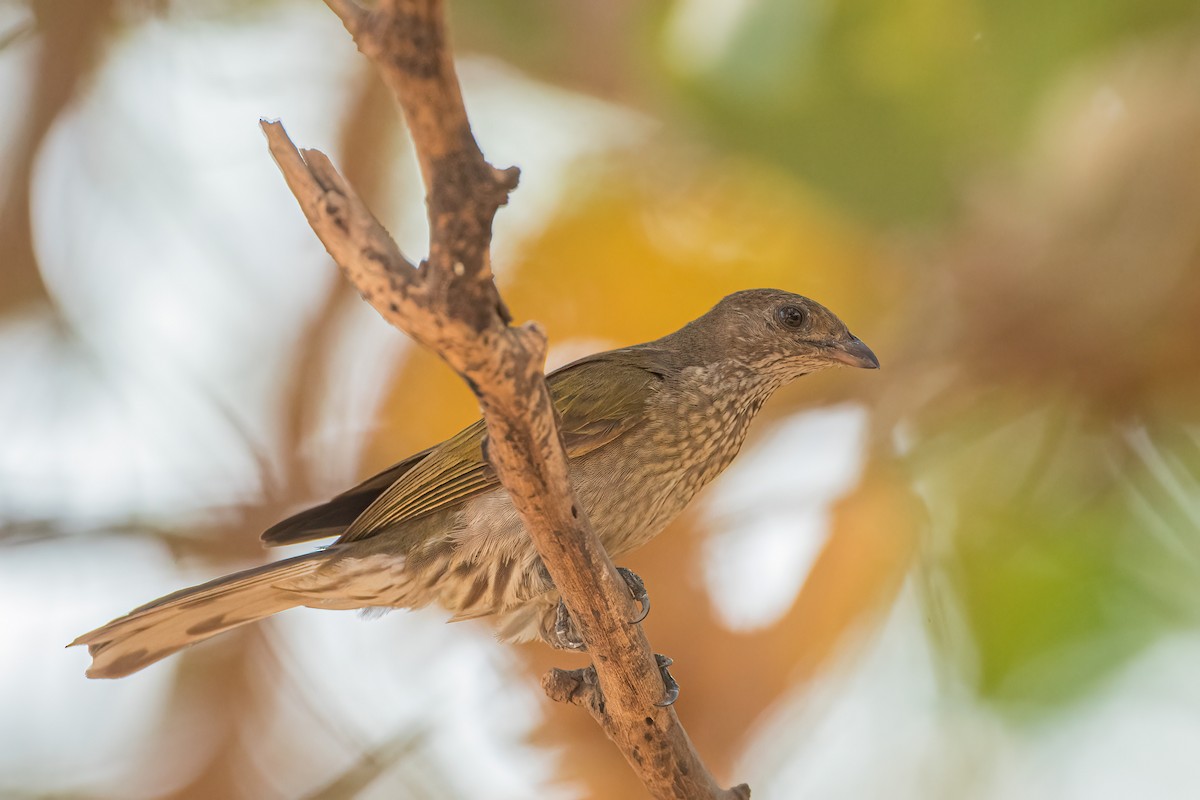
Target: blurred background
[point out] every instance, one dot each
(974, 574)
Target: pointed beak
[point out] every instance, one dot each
(854, 353)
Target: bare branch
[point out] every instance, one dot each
(451, 305)
(350, 13)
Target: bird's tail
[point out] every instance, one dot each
(158, 629)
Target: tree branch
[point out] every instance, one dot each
(450, 304)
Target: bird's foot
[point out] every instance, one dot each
(580, 686)
(566, 635)
(669, 682)
(637, 590)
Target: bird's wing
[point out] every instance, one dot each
(597, 398)
(333, 517)
(452, 471)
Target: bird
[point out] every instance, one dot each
(645, 427)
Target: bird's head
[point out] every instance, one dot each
(780, 334)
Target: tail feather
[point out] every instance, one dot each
(168, 624)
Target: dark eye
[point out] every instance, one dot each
(792, 316)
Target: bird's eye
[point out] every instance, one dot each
(792, 316)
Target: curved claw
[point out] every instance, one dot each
(643, 610)
(637, 590)
(567, 638)
(669, 682)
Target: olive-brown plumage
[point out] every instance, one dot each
(645, 427)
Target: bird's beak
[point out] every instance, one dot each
(854, 353)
